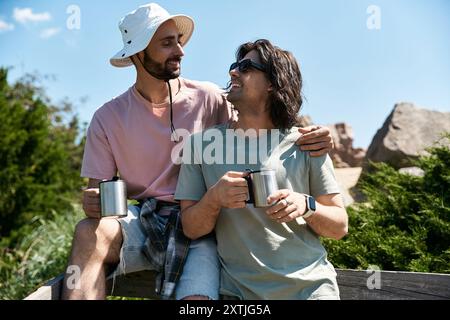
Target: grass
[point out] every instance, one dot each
(39, 256)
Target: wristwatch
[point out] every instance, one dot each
(310, 206)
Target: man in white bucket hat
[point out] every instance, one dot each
(135, 135)
(138, 28)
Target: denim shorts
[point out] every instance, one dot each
(201, 272)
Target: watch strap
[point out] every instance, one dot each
(310, 209)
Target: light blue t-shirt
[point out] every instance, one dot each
(261, 258)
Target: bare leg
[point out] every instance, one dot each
(96, 244)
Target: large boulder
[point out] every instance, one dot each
(343, 154)
(406, 133)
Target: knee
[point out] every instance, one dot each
(85, 232)
(94, 234)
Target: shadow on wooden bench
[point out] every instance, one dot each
(353, 285)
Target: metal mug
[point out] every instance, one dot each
(261, 184)
(113, 198)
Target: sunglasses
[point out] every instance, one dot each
(246, 64)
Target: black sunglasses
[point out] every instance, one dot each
(246, 64)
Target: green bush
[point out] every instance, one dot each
(40, 155)
(40, 160)
(39, 256)
(405, 222)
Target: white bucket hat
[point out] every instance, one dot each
(139, 26)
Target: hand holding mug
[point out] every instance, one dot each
(91, 202)
(289, 205)
(231, 190)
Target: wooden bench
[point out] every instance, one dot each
(353, 285)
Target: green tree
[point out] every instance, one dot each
(39, 156)
(405, 223)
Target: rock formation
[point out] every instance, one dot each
(406, 133)
(343, 154)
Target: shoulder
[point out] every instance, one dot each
(112, 113)
(289, 138)
(114, 103)
(287, 144)
(206, 88)
(293, 135)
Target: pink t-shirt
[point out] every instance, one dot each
(131, 136)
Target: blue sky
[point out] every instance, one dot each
(351, 73)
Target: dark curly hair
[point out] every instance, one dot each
(284, 74)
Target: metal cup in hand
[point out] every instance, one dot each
(261, 184)
(113, 198)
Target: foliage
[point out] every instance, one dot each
(405, 223)
(40, 157)
(38, 257)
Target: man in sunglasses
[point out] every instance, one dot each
(272, 251)
(134, 135)
(243, 66)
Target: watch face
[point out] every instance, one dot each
(312, 203)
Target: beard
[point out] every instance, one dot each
(234, 101)
(233, 96)
(159, 70)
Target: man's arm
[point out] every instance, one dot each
(315, 139)
(91, 199)
(330, 219)
(199, 217)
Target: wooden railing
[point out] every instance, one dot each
(353, 285)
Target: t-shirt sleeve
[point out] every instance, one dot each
(322, 180)
(98, 159)
(191, 184)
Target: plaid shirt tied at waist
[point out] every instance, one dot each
(166, 246)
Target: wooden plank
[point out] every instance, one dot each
(396, 285)
(137, 284)
(49, 291)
